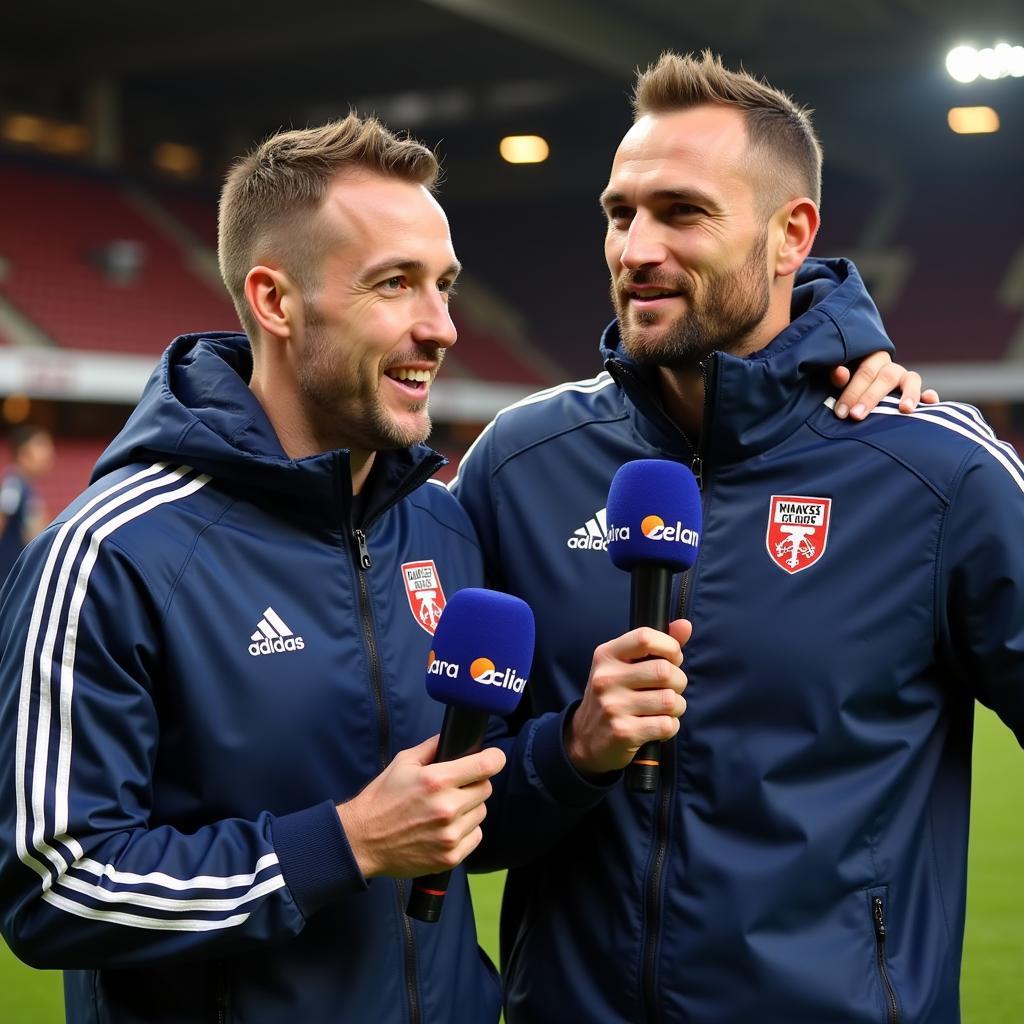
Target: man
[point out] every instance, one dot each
(21, 514)
(216, 744)
(858, 586)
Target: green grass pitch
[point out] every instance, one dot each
(992, 983)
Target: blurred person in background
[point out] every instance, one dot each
(22, 515)
(804, 857)
(215, 738)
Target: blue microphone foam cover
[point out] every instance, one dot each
(482, 651)
(654, 515)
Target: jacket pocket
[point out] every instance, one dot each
(878, 907)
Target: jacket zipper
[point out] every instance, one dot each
(652, 901)
(892, 1007)
(652, 895)
(363, 562)
(221, 1000)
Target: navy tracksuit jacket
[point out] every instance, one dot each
(200, 657)
(858, 587)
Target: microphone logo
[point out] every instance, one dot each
(439, 667)
(485, 672)
(650, 524)
(654, 528)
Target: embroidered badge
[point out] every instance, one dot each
(426, 596)
(797, 530)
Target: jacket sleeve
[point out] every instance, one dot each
(982, 581)
(87, 880)
(539, 797)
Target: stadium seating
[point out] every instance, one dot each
(950, 308)
(55, 225)
(57, 220)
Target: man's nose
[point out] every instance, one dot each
(645, 243)
(434, 324)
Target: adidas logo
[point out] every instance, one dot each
(272, 636)
(593, 534)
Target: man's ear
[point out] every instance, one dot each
(797, 224)
(274, 300)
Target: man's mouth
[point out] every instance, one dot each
(416, 380)
(644, 296)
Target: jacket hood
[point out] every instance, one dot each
(757, 400)
(197, 409)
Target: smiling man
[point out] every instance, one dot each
(859, 585)
(215, 741)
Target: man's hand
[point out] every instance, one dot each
(876, 377)
(629, 699)
(417, 817)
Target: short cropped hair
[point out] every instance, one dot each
(781, 133)
(271, 196)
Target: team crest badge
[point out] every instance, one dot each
(797, 530)
(426, 596)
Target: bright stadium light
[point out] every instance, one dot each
(973, 120)
(967, 63)
(524, 149)
(962, 63)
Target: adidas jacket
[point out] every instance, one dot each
(858, 586)
(200, 657)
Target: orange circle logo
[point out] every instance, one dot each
(650, 524)
(480, 667)
(431, 658)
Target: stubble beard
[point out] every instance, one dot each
(347, 407)
(733, 306)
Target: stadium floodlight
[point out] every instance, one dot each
(973, 120)
(524, 149)
(962, 63)
(967, 63)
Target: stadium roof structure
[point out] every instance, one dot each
(462, 73)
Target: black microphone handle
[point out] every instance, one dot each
(462, 733)
(650, 595)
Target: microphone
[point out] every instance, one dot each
(654, 524)
(478, 666)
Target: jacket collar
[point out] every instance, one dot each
(197, 409)
(754, 403)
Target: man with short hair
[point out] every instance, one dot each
(858, 585)
(21, 513)
(215, 743)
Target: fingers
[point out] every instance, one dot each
(875, 377)
(422, 753)
(465, 771)
(652, 703)
(911, 391)
(681, 630)
(840, 376)
(644, 642)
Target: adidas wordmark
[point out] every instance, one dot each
(593, 534)
(272, 636)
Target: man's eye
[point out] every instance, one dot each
(394, 284)
(620, 213)
(447, 287)
(684, 210)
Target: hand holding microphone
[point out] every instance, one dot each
(634, 697)
(423, 812)
(481, 656)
